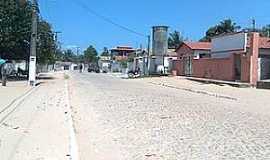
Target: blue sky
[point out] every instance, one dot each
(192, 18)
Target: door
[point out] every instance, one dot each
(188, 65)
(237, 67)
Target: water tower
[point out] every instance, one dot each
(159, 49)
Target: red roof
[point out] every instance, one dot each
(197, 45)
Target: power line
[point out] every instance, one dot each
(106, 19)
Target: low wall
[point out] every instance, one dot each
(178, 67)
(215, 68)
(220, 69)
(245, 69)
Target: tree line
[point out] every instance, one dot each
(15, 33)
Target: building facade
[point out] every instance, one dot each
(243, 57)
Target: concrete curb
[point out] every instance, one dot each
(196, 91)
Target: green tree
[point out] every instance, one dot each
(46, 44)
(225, 26)
(105, 52)
(69, 56)
(90, 54)
(15, 28)
(175, 39)
(15, 33)
(265, 31)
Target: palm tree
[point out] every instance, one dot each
(225, 26)
(175, 39)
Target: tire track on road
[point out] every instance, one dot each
(13, 106)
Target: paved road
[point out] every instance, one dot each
(119, 119)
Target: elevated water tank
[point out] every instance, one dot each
(160, 40)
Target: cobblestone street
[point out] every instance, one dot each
(134, 119)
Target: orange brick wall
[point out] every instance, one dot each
(221, 69)
(178, 67)
(245, 69)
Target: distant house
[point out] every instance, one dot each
(122, 52)
(104, 63)
(59, 66)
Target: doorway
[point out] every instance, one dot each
(237, 67)
(188, 65)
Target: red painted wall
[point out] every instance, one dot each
(178, 67)
(245, 69)
(221, 69)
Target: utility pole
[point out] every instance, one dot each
(33, 48)
(77, 51)
(253, 24)
(56, 47)
(148, 54)
(56, 35)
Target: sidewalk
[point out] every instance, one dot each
(218, 82)
(15, 89)
(38, 127)
(249, 97)
(12, 91)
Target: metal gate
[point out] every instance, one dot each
(188, 66)
(264, 68)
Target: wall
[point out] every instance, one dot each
(221, 69)
(215, 68)
(245, 68)
(178, 67)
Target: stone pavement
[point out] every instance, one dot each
(120, 119)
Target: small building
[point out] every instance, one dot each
(169, 57)
(189, 51)
(60, 66)
(121, 52)
(104, 63)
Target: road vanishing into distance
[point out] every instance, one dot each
(103, 117)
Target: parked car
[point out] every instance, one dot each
(93, 69)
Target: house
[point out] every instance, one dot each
(243, 57)
(104, 63)
(121, 52)
(141, 61)
(195, 50)
(59, 66)
(189, 51)
(169, 57)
